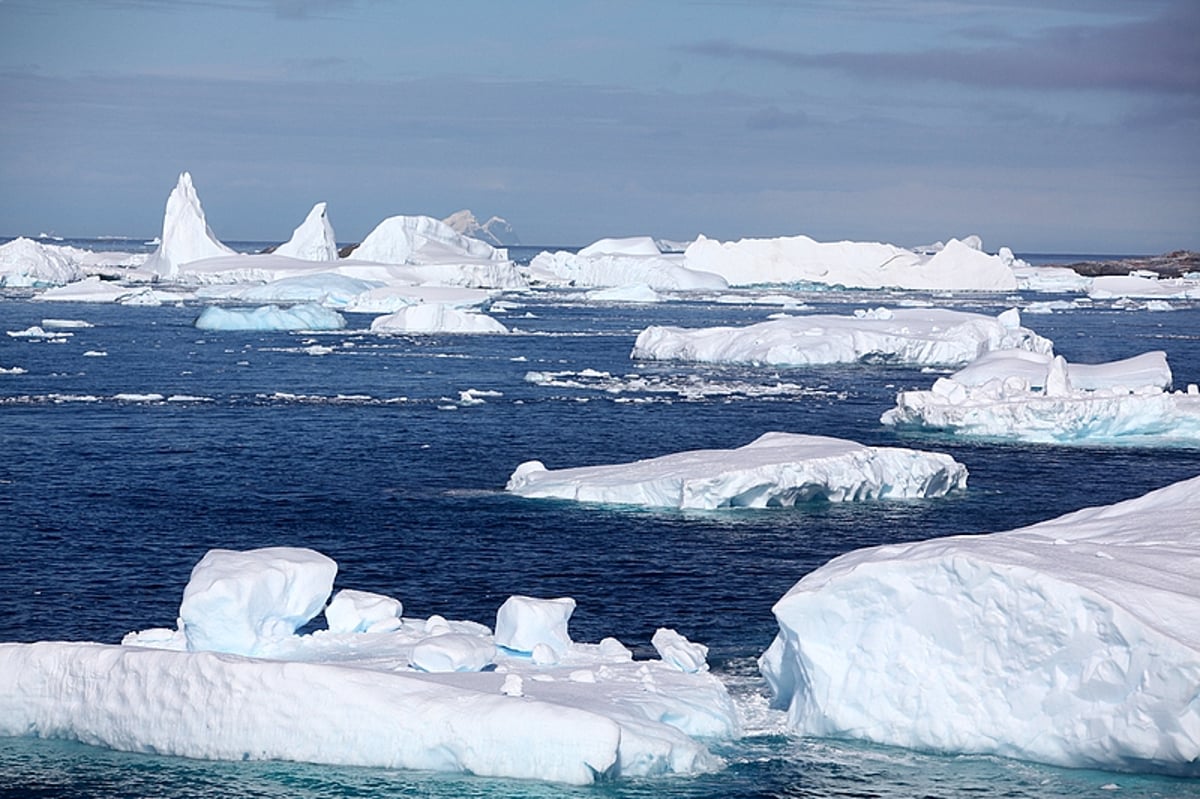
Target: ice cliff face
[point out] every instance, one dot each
(186, 235)
(1074, 642)
(313, 240)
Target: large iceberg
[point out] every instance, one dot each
(421, 240)
(234, 681)
(621, 262)
(1042, 398)
(26, 263)
(922, 336)
(308, 316)
(313, 240)
(186, 236)
(956, 265)
(1074, 642)
(774, 470)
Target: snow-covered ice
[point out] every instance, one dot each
(95, 289)
(1114, 286)
(436, 318)
(955, 266)
(919, 336)
(1040, 398)
(621, 262)
(308, 316)
(186, 236)
(774, 470)
(313, 240)
(636, 292)
(422, 240)
(394, 692)
(26, 263)
(1074, 642)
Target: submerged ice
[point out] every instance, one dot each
(1072, 642)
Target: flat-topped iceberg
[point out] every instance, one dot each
(1040, 398)
(308, 316)
(234, 682)
(921, 336)
(621, 262)
(956, 265)
(774, 470)
(1073, 642)
(1106, 287)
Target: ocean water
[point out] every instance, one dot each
(136, 445)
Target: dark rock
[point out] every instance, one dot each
(1172, 264)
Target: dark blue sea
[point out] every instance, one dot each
(133, 447)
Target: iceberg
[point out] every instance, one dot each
(186, 236)
(1072, 642)
(774, 470)
(636, 292)
(393, 692)
(313, 240)
(621, 262)
(25, 263)
(330, 289)
(308, 316)
(1107, 287)
(495, 231)
(391, 298)
(95, 289)
(435, 318)
(422, 240)
(1039, 398)
(955, 266)
(919, 336)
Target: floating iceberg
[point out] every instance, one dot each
(186, 236)
(25, 263)
(1072, 642)
(324, 288)
(308, 316)
(956, 265)
(421, 240)
(398, 693)
(436, 318)
(924, 336)
(388, 299)
(774, 470)
(1105, 287)
(621, 262)
(1036, 397)
(94, 289)
(313, 240)
(637, 292)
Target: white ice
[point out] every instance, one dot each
(1074, 642)
(636, 292)
(313, 240)
(1114, 286)
(308, 316)
(920, 336)
(1038, 398)
(422, 240)
(25, 263)
(621, 262)
(956, 265)
(429, 318)
(94, 289)
(373, 690)
(186, 236)
(776, 469)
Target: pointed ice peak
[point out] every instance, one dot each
(496, 231)
(313, 240)
(186, 236)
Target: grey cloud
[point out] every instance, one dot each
(1158, 55)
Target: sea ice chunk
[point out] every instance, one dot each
(921, 336)
(308, 316)
(776, 469)
(1073, 642)
(453, 652)
(421, 240)
(523, 622)
(622, 262)
(242, 602)
(436, 318)
(677, 650)
(26, 263)
(352, 611)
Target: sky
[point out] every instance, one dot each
(1066, 126)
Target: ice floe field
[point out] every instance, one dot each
(455, 476)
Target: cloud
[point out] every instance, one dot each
(1158, 55)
